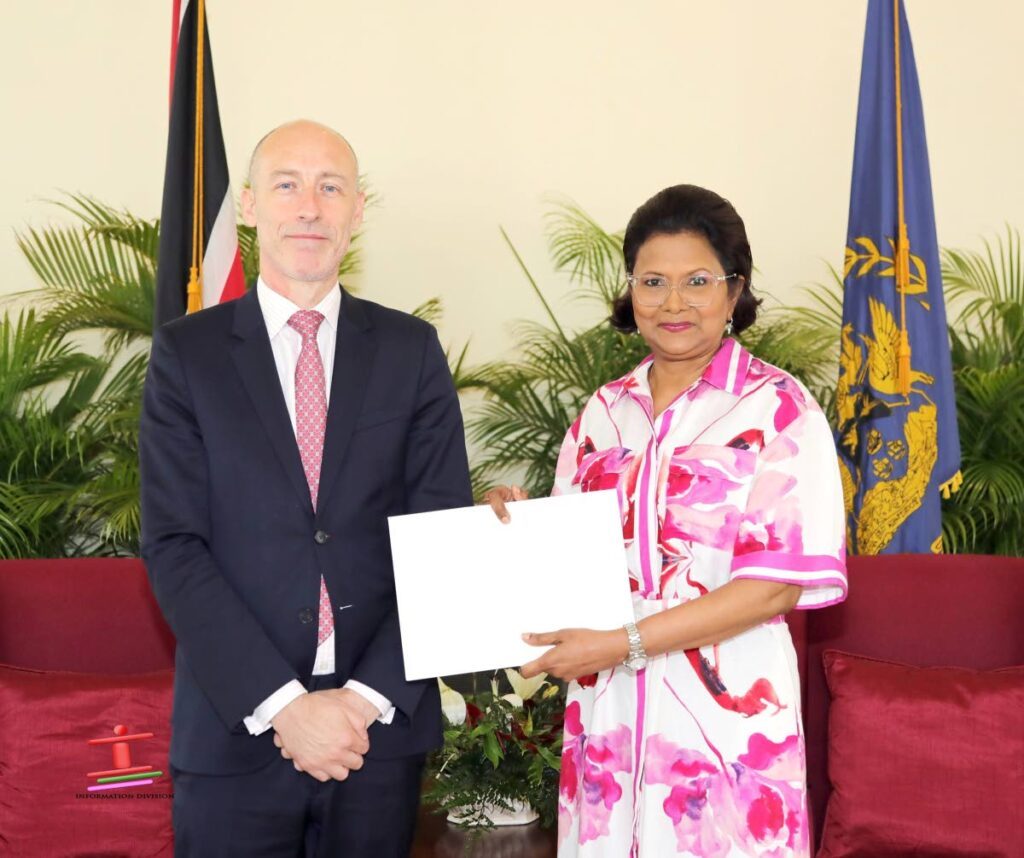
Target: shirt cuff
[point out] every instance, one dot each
(260, 720)
(379, 700)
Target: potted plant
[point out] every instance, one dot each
(499, 764)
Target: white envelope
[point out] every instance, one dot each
(468, 586)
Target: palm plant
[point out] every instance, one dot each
(529, 404)
(70, 480)
(987, 514)
(42, 455)
(97, 274)
(68, 419)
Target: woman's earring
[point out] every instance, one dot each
(728, 327)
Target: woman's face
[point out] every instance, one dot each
(675, 331)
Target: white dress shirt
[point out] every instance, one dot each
(286, 344)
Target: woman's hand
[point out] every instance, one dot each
(577, 652)
(500, 495)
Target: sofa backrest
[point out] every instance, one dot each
(926, 610)
(89, 615)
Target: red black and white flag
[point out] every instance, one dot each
(199, 264)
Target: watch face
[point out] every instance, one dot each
(637, 662)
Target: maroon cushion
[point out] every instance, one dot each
(94, 614)
(923, 761)
(46, 720)
(921, 609)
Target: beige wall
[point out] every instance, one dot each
(466, 114)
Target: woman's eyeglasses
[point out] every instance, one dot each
(697, 290)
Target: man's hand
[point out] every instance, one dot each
(322, 734)
(577, 652)
(366, 712)
(500, 495)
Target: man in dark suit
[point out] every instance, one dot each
(278, 433)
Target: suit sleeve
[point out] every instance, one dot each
(233, 661)
(436, 477)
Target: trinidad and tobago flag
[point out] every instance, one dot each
(199, 264)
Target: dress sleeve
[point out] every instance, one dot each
(793, 529)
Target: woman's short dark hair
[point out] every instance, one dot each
(688, 208)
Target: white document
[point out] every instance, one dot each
(468, 585)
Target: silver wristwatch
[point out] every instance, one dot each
(637, 658)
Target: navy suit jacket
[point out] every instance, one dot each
(233, 547)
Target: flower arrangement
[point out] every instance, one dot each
(501, 752)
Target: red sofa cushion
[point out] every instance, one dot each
(95, 615)
(47, 718)
(923, 760)
(920, 609)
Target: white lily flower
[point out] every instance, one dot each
(525, 688)
(453, 704)
(514, 699)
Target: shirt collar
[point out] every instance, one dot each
(727, 371)
(728, 368)
(277, 309)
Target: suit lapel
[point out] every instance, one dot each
(254, 361)
(353, 357)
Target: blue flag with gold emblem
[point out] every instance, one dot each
(897, 435)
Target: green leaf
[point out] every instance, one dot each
(492, 750)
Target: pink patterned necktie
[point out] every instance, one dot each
(310, 424)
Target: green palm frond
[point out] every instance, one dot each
(17, 539)
(429, 311)
(97, 275)
(353, 260)
(989, 289)
(987, 346)
(529, 405)
(987, 281)
(825, 303)
(533, 284)
(120, 225)
(590, 255)
(32, 358)
(249, 253)
(519, 426)
(106, 512)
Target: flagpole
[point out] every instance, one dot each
(195, 279)
(903, 244)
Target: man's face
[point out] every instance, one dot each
(305, 203)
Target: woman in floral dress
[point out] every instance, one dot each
(732, 515)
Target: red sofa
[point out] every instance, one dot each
(923, 610)
(98, 616)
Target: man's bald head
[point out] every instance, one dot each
(304, 200)
(298, 127)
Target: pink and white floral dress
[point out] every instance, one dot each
(702, 752)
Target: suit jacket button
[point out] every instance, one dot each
(306, 616)
(320, 537)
